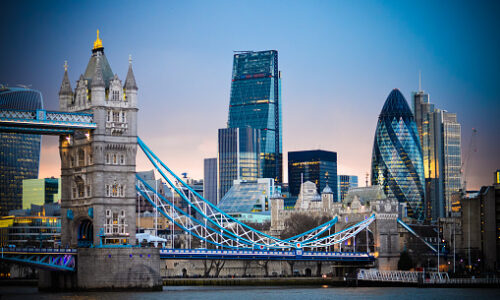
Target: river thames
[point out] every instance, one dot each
(289, 293)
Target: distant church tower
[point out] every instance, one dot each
(98, 167)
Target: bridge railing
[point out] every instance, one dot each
(39, 250)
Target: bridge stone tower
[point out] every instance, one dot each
(98, 167)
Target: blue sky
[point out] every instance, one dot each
(339, 60)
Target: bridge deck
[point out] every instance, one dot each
(44, 122)
(298, 255)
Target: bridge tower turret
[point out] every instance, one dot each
(65, 92)
(98, 167)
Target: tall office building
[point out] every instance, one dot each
(345, 182)
(19, 153)
(256, 103)
(41, 191)
(238, 157)
(210, 179)
(317, 166)
(452, 157)
(440, 137)
(397, 155)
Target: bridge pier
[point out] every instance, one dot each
(53, 281)
(108, 269)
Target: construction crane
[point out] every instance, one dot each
(465, 164)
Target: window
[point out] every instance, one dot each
(110, 115)
(123, 117)
(122, 159)
(107, 190)
(107, 158)
(90, 159)
(81, 157)
(80, 187)
(88, 190)
(114, 159)
(115, 96)
(74, 192)
(116, 116)
(71, 161)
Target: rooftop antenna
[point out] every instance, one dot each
(419, 80)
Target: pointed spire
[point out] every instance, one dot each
(66, 84)
(130, 83)
(97, 79)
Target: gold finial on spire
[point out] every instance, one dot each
(65, 65)
(98, 42)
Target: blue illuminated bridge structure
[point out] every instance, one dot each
(44, 122)
(195, 215)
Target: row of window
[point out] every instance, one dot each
(115, 190)
(115, 222)
(81, 159)
(116, 116)
(115, 159)
(80, 191)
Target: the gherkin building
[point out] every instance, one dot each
(397, 156)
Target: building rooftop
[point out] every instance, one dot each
(396, 106)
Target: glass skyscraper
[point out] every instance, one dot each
(237, 157)
(345, 182)
(256, 102)
(397, 155)
(452, 157)
(440, 137)
(19, 153)
(210, 180)
(317, 166)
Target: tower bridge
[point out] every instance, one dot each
(97, 123)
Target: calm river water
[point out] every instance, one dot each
(240, 293)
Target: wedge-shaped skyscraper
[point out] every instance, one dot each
(397, 155)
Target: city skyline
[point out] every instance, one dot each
(338, 116)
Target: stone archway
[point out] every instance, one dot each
(85, 233)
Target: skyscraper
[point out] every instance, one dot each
(440, 137)
(428, 122)
(397, 155)
(452, 158)
(41, 191)
(345, 182)
(256, 102)
(238, 157)
(19, 153)
(210, 179)
(317, 166)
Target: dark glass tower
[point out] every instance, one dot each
(238, 157)
(397, 155)
(19, 153)
(256, 103)
(317, 166)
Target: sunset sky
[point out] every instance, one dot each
(339, 61)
